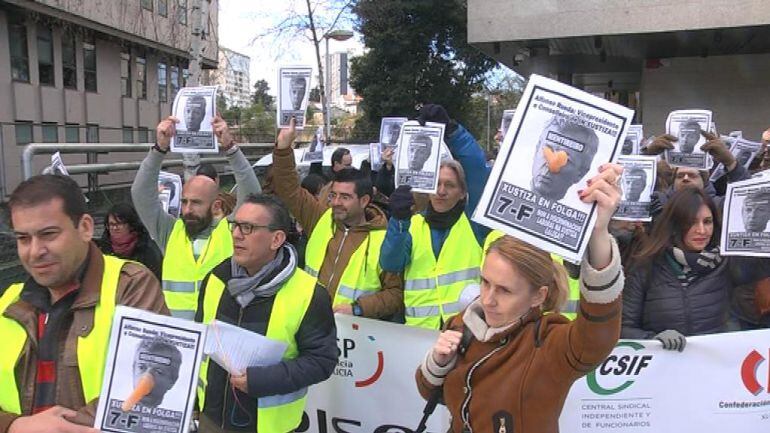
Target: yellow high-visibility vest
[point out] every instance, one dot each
(182, 274)
(432, 287)
(91, 349)
(361, 276)
(276, 413)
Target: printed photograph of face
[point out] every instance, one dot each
(564, 153)
(194, 112)
(689, 135)
(633, 182)
(743, 157)
(392, 133)
(419, 151)
(162, 360)
(628, 146)
(297, 88)
(756, 210)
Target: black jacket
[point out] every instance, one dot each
(316, 341)
(146, 253)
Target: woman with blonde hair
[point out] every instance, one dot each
(517, 363)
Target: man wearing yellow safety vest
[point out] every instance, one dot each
(439, 251)
(573, 272)
(261, 290)
(196, 242)
(345, 232)
(55, 326)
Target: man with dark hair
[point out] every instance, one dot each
(689, 135)
(196, 242)
(194, 112)
(297, 88)
(633, 182)
(756, 210)
(160, 359)
(55, 326)
(419, 151)
(261, 289)
(345, 233)
(341, 159)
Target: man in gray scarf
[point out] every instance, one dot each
(261, 290)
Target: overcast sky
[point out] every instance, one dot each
(241, 20)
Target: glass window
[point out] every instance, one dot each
(144, 135)
(181, 11)
(162, 82)
(89, 65)
(50, 133)
(23, 133)
(128, 134)
(92, 133)
(163, 8)
(141, 76)
(45, 56)
(72, 133)
(174, 81)
(125, 72)
(17, 38)
(147, 4)
(69, 61)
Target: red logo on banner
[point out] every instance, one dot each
(749, 370)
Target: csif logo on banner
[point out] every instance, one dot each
(749, 371)
(618, 371)
(351, 361)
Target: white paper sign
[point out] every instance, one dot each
(419, 156)
(195, 108)
(746, 214)
(170, 192)
(375, 156)
(315, 152)
(57, 165)
(294, 84)
(686, 126)
(390, 130)
(505, 122)
(558, 139)
(633, 141)
(637, 183)
(744, 152)
(151, 373)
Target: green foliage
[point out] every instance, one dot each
(418, 53)
(261, 95)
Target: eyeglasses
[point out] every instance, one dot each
(246, 228)
(115, 226)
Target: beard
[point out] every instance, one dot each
(194, 225)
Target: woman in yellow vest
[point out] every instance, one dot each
(439, 251)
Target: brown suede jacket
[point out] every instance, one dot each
(516, 378)
(137, 287)
(308, 210)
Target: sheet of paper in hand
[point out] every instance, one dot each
(235, 349)
(375, 156)
(293, 93)
(151, 374)
(57, 165)
(390, 130)
(315, 152)
(633, 141)
(746, 213)
(170, 192)
(505, 122)
(637, 183)
(686, 126)
(419, 156)
(558, 139)
(194, 107)
(744, 152)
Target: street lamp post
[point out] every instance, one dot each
(337, 35)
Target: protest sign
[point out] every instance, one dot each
(637, 183)
(390, 130)
(293, 94)
(505, 122)
(57, 166)
(170, 192)
(375, 156)
(744, 152)
(746, 213)
(558, 139)
(195, 107)
(151, 373)
(686, 126)
(315, 152)
(633, 141)
(419, 156)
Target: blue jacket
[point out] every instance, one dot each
(396, 252)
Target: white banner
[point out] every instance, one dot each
(720, 383)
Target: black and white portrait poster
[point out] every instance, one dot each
(637, 184)
(151, 373)
(744, 152)
(315, 151)
(170, 192)
(505, 123)
(633, 141)
(390, 130)
(293, 94)
(419, 156)
(375, 156)
(558, 139)
(194, 107)
(746, 213)
(686, 126)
